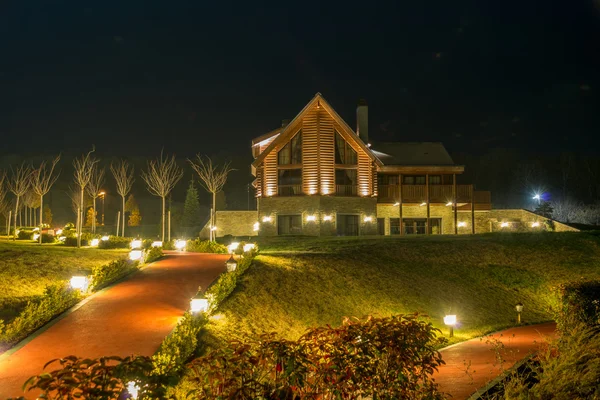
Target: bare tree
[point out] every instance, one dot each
(4, 205)
(123, 173)
(84, 168)
(42, 179)
(162, 176)
(93, 190)
(18, 185)
(213, 180)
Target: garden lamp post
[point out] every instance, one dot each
(519, 309)
(450, 321)
(231, 264)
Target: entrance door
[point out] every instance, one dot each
(347, 225)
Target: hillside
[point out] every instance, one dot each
(302, 282)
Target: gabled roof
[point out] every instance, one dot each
(266, 136)
(289, 130)
(413, 154)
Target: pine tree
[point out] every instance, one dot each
(191, 207)
(90, 216)
(544, 209)
(132, 207)
(47, 215)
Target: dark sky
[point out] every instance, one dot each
(207, 76)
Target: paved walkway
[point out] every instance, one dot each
(479, 357)
(132, 317)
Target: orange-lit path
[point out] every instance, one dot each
(516, 344)
(132, 317)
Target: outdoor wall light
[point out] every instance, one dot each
(180, 244)
(396, 204)
(136, 244)
(133, 390)
(311, 218)
(135, 255)
(198, 304)
(157, 243)
(94, 242)
(535, 224)
(233, 247)
(104, 238)
(231, 264)
(368, 219)
(266, 218)
(248, 247)
(423, 204)
(449, 203)
(213, 228)
(450, 321)
(327, 218)
(462, 224)
(79, 282)
(519, 309)
(504, 225)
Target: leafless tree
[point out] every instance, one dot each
(18, 185)
(42, 179)
(123, 173)
(212, 178)
(4, 205)
(161, 177)
(84, 168)
(93, 190)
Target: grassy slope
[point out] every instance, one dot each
(308, 282)
(26, 269)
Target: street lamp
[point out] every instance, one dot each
(519, 309)
(538, 198)
(102, 194)
(450, 321)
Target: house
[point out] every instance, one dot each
(317, 176)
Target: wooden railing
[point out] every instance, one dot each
(388, 192)
(437, 194)
(346, 190)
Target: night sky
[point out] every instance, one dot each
(133, 77)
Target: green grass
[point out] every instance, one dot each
(26, 268)
(298, 283)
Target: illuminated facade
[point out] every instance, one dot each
(317, 176)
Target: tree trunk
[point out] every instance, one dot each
(123, 224)
(80, 213)
(212, 217)
(94, 215)
(163, 219)
(16, 212)
(41, 208)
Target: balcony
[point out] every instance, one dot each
(437, 194)
(289, 190)
(346, 190)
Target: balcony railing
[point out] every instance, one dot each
(289, 190)
(437, 194)
(345, 190)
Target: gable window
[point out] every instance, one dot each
(344, 153)
(291, 154)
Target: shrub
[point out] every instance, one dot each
(168, 245)
(376, 357)
(226, 283)
(25, 234)
(56, 298)
(205, 246)
(47, 238)
(115, 242)
(577, 302)
(153, 254)
(179, 346)
(106, 274)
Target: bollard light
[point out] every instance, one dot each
(135, 255)
(233, 247)
(94, 242)
(519, 309)
(105, 238)
(136, 244)
(157, 243)
(198, 304)
(133, 389)
(59, 231)
(79, 282)
(450, 321)
(36, 236)
(231, 264)
(248, 247)
(180, 244)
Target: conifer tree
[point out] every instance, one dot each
(191, 207)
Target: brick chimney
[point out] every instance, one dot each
(362, 120)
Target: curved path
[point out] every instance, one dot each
(132, 317)
(472, 364)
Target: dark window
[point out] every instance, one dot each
(291, 152)
(384, 179)
(290, 182)
(413, 179)
(344, 153)
(345, 182)
(381, 226)
(417, 226)
(435, 180)
(347, 225)
(394, 226)
(447, 179)
(289, 224)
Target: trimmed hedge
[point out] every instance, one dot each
(115, 242)
(226, 283)
(153, 254)
(106, 274)
(205, 246)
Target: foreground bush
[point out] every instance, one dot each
(380, 357)
(152, 254)
(106, 274)
(205, 246)
(577, 302)
(115, 242)
(56, 299)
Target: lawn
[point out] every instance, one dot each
(303, 282)
(26, 268)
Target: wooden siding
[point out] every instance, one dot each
(327, 156)
(310, 152)
(270, 174)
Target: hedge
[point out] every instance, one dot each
(205, 246)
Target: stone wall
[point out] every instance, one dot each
(235, 223)
(522, 220)
(319, 207)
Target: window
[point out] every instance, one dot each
(447, 179)
(413, 179)
(291, 153)
(394, 226)
(289, 224)
(418, 226)
(289, 182)
(435, 180)
(347, 225)
(344, 153)
(345, 182)
(384, 179)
